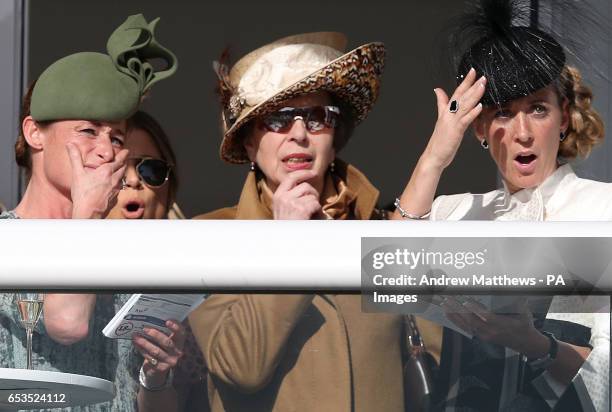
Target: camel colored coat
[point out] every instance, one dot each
(299, 352)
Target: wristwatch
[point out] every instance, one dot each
(545, 361)
(142, 378)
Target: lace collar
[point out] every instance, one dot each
(532, 204)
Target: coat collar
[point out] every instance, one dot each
(249, 206)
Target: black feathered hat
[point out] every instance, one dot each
(505, 45)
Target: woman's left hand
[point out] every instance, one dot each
(515, 331)
(161, 352)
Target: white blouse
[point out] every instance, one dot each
(563, 196)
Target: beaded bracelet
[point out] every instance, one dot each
(407, 215)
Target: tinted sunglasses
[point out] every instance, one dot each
(316, 118)
(152, 172)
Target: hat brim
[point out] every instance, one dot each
(353, 77)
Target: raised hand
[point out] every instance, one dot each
(94, 189)
(295, 198)
(455, 115)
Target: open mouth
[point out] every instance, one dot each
(132, 207)
(525, 159)
(296, 161)
(133, 210)
(526, 163)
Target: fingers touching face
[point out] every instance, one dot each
(98, 143)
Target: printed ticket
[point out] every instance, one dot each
(150, 311)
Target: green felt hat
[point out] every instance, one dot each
(103, 87)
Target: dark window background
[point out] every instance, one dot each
(385, 147)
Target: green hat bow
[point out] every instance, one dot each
(132, 44)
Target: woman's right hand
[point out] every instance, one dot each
(417, 197)
(94, 190)
(450, 127)
(295, 198)
(160, 351)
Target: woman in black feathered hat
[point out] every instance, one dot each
(532, 113)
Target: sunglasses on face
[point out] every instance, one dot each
(152, 172)
(316, 118)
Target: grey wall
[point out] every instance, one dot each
(11, 72)
(385, 147)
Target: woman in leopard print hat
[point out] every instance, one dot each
(288, 108)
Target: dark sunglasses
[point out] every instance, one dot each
(316, 118)
(152, 172)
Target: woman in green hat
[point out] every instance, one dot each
(74, 125)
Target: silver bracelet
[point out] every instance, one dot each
(407, 215)
(142, 378)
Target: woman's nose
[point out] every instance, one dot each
(522, 128)
(131, 178)
(104, 149)
(298, 130)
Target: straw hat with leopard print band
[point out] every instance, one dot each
(260, 81)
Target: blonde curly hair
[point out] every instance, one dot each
(586, 128)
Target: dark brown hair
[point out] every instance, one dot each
(23, 154)
(586, 129)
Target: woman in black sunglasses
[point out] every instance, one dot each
(288, 108)
(150, 182)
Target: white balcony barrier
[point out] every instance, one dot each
(221, 254)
